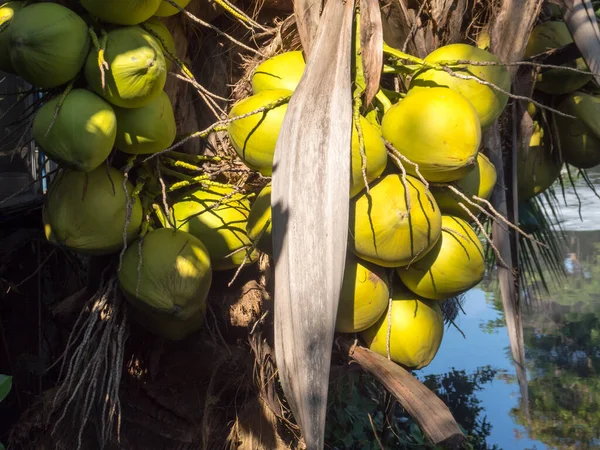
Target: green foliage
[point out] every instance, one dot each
(5, 387)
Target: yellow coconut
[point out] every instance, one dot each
(220, 226)
(259, 221)
(87, 211)
(488, 102)
(137, 70)
(166, 9)
(169, 327)
(48, 44)
(417, 329)
(436, 128)
(173, 276)
(537, 167)
(122, 12)
(83, 133)
(148, 129)
(282, 71)
(384, 231)
(254, 139)
(7, 11)
(364, 296)
(479, 182)
(549, 36)
(579, 138)
(453, 266)
(161, 33)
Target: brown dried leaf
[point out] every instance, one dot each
(308, 16)
(371, 43)
(310, 208)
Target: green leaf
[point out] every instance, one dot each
(5, 385)
(2, 446)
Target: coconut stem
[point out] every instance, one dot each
(180, 164)
(404, 181)
(100, 47)
(199, 158)
(59, 105)
(214, 28)
(383, 100)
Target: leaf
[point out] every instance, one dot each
(5, 386)
(371, 44)
(2, 446)
(310, 207)
(308, 16)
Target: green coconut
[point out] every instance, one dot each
(453, 266)
(254, 139)
(7, 11)
(282, 71)
(161, 33)
(169, 327)
(220, 226)
(122, 12)
(259, 221)
(436, 128)
(416, 331)
(137, 70)
(580, 137)
(173, 277)
(48, 44)
(364, 296)
(166, 9)
(537, 167)
(87, 211)
(83, 133)
(148, 129)
(479, 182)
(550, 36)
(382, 228)
(488, 102)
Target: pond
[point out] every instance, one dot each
(562, 340)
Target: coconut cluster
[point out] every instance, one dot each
(557, 140)
(410, 247)
(103, 69)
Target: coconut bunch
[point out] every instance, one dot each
(412, 244)
(570, 135)
(105, 116)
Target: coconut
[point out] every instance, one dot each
(452, 267)
(221, 228)
(550, 36)
(83, 133)
(161, 33)
(254, 139)
(137, 70)
(480, 182)
(122, 12)
(417, 328)
(7, 11)
(364, 296)
(166, 9)
(173, 276)
(282, 71)
(48, 44)
(148, 129)
(436, 128)
(259, 221)
(86, 211)
(537, 167)
(169, 327)
(488, 102)
(382, 228)
(579, 138)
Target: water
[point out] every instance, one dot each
(562, 339)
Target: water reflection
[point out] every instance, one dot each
(562, 339)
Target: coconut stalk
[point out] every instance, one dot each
(310, 204)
